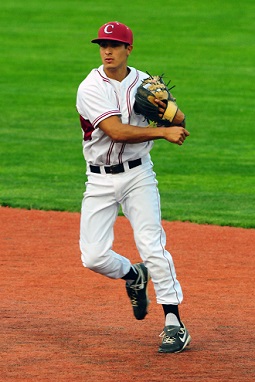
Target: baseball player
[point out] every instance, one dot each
(116, 147)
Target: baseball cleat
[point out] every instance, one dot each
(174, 339)
(137, 292)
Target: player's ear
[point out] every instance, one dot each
(129, 49)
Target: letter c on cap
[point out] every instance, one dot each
(107, 27)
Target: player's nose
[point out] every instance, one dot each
(108, 50)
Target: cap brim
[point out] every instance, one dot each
(98, 40)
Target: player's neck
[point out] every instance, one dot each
(117, 74)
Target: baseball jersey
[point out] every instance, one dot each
(100, 97)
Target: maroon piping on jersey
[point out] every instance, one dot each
(129, 111)
(104, 116)
(104, 78)
(108, 157)
(128, 95)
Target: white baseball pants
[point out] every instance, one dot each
(137, 192)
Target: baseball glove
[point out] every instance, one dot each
(154, 87)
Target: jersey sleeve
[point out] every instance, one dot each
(95, 103)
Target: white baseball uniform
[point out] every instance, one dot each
(134, 188)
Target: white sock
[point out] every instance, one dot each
(171, 319)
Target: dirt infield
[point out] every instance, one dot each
(62, 322)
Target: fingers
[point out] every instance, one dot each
(176, 134)
(161, 107)
(183, 134)
(180, 141)
(160, 103)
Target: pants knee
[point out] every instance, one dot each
(100, 259)
(90, 259)
(95, 256)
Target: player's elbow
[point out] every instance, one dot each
(118, 136)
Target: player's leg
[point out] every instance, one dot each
(142, 208)
(98, 214)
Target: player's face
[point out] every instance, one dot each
(114, 55)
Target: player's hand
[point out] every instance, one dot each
(176, 134)
(161, 107)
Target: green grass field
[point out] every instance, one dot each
(205, 47)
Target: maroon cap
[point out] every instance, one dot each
(114, 31)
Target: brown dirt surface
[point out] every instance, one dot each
(62, 322)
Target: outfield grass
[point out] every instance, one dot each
(206, 48)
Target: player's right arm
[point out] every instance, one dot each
(119, 132)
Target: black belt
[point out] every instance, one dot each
(117, 168)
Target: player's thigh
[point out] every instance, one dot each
(98, 213)
(142, 204)
(142, 208)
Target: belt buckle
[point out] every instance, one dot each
(115, 169)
